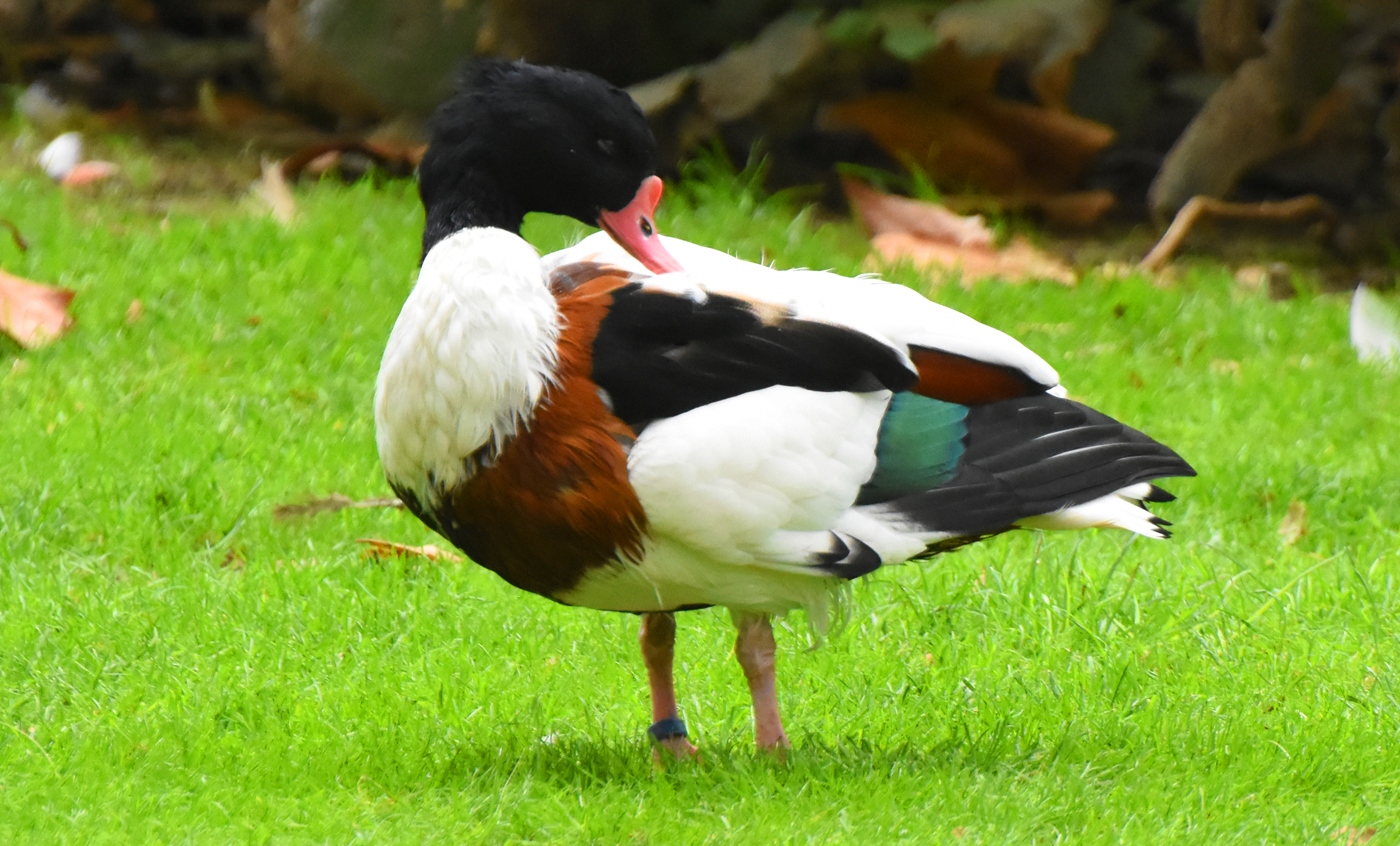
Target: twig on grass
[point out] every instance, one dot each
(329, 504)
(1201, 206)
(379, 549)
(15, 235)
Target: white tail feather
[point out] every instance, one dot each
(1121, 509)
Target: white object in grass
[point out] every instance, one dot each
(62, 155)
(1375, 327)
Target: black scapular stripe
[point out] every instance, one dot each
(1034, 455)
(658, 354)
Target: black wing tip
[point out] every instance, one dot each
(1156, 494)
(848, 558)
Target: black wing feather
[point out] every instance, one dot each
(1034, 455)
(659, 354)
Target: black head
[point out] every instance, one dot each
(518, 138)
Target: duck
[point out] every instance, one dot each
(639, 424)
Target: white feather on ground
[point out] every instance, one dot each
(1375, 327)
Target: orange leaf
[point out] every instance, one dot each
(88, 173)
(1054, 146)
(951, 146)
(31, 313)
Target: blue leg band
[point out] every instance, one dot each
(667, 729)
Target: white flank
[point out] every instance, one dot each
(896, 314)
(468, 358)
(740, 495)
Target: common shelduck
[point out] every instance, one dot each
(670, 428)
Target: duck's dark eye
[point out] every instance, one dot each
(607, 146)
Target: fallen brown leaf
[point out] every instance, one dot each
(379, 549)
(953, 147)
(31, 313)
(330, 504)
(881, 213)
(1019, 261)
(134, 312)
(234, 560)
(1295, 523)
(1075, 209)
(973, 138)
(272, 188)
(928, 235)
(1350, 835)
(1056, 146)
(1252, 277)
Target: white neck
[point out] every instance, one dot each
(471, 353)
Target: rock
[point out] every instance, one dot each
(369, 59)
(1257, 112)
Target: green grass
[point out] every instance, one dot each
(175, 666)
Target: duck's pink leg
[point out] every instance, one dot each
(658, 639)
(757, 654)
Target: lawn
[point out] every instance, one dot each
(178, 666)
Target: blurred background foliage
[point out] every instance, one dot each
(1075, 112)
